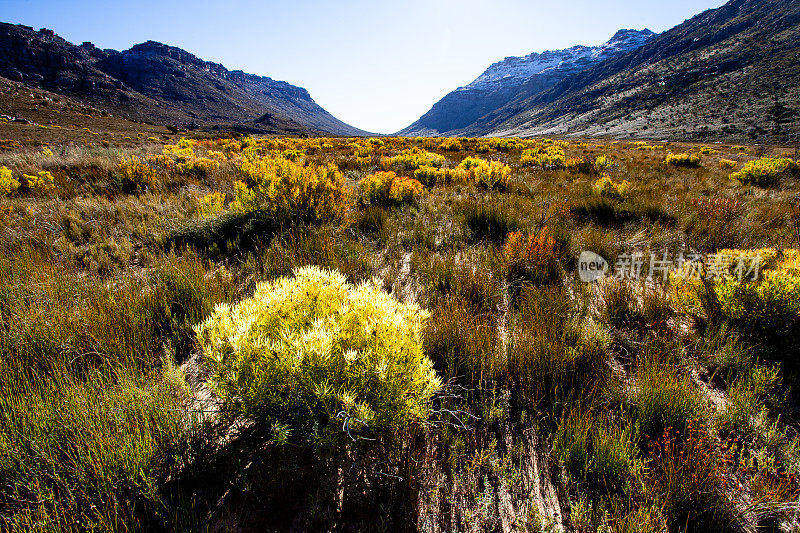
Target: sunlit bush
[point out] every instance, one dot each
(488, 174)
(8, 184)
(136, 175)
(319, 359)
(200, 168)
(766, 172)
(387, 188)
(430, 176)
(42, 181)
(287, 191)
(682, 160)
(548, 157)
(451, 145)
(211, 204)
(727, 164)
(606, 187)
(532, 256)
(413, 159)
(492, 174)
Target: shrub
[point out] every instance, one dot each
(727, 164)
(493, 174)
(387, 188)
(200, 168)
(136, 175)
(42, 181)
(766, 172)
(532, 257)
(580, 165)
(286, 191)
(8, 185)
(211, 204)
(451, 145)
(687, 476)
(547, 157)
(430, 176)
(682, 160)
(413, 159)
(310, 353)
(606, 187)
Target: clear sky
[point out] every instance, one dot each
(376, 65)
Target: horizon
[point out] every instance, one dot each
(375, 78)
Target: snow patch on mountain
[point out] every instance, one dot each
(514, 71)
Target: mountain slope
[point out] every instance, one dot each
(502, 82)
(159, 83)
(728, 74)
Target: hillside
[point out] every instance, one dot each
(505, 80)
(162, 84)
(729, 74)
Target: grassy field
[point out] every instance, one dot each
(635, 404)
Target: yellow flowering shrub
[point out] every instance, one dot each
(47, 152)
(320, 360)
(201, 167)
(136, 175)
(211, 204)
(606, 187)
(451, 145)
(413, 159)
(430, 176)
(42, 181)
(8, 185)
(766, 310)
(387, 188)
(682, 160)
(727, 164)
(766, 171)
(492, 174)
(286, 190)
(548, 157)
(580, 165)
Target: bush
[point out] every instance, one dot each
(387, 188)
(199, 168)
(580, 165)
(450, 145)
(430, 176)
(687, 476)
(547, 157)
(136, 175)
(594, 452)
(413, 159)
(682, 160)
(532, 257)
(8, 185)
(286, 191)
(487, 174)
(727, 164)
(606, 187)
(310, 353)
(491, 175)
(766, 172)
(40, 182)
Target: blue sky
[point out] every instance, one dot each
(376, 65)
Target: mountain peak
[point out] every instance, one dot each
(514, 71)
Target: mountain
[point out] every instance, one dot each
(728, 74)
(159, 83)
(458, 112)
